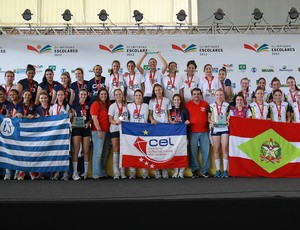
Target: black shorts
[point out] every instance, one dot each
(218, 133)
(83, 132)
(114, 134)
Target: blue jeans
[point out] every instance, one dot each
(203, 140)
(100, 154)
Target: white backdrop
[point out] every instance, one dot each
(267, 55)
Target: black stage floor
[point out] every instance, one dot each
(164, 202)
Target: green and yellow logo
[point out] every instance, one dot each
(270, 151)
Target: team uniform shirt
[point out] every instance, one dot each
(234, 112)
(117, 112)
(198, 116)
(32, 86)
(278, 112)
(171, 85)
(150, 79)
(258, 111)
(57, 109)
(114, 81)
(102, 115)
(67, 91)
(94, 86)
(138, 113)
(132, 82)
(76, 86)
(178, 116)
(8, 89)
(291, 97)
(296, 111)
(43, 112)
(24, 109)
(82, 110)
(49, 88)
(160, 109)
(209, 88)
(219, 116)
(189, 83)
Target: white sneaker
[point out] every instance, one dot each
(180, 174)
(157, 174)
(75, 176)
(175, 174)
(123, 174)
(65, 176)
(132, 175)
(145, 174)
(7, 176)
(84, 175)
(16, 175)
(165, 173)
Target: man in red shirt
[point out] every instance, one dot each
(198, 133)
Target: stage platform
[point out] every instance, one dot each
(175, 202)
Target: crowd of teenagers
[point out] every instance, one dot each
(203, 102)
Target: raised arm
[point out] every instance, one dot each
(165, 64)
(139, 63)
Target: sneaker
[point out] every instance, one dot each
(132, 175)
(205, 175)
(145, 174)
(55, 176)
(75, 176)
(165, 173)
(84, 175)
(225, 174)
(65, 176)
(195, 174)
(175, 174)
(180, 174)
(123, 176)
(7, 176)
(16, 175)
(40, 176)
(21, 175)
(117, 174)
(157, 174)
(32, 175)
(218, 173)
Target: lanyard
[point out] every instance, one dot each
(219, 110)
(120, 109)
(158, 106)
(152, 77)
(116, 80)
(261, 110)
(209, 82)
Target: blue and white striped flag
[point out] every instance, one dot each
(35, 145)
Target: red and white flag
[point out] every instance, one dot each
(263, 148)
(149, 146)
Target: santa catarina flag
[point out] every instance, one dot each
(153, 146)
(263, 148)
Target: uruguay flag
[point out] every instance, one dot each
(35, 145)
(149, 146)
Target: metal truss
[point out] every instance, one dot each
(151, 30)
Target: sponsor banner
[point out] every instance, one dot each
(153, 146)
(246, 55)
(263, 148)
